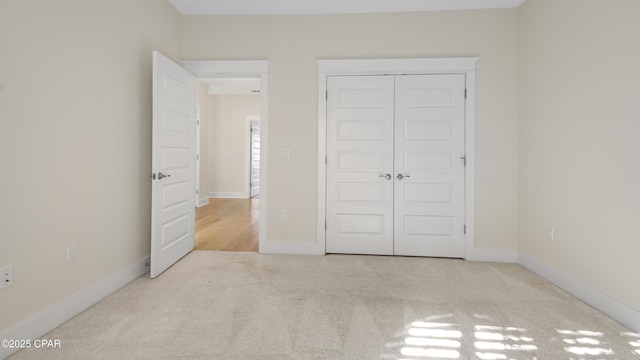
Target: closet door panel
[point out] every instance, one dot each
(359, 155)
(429, 183)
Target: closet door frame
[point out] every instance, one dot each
(422, 66)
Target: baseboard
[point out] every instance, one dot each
(581, 290)
(493, 255)
(48, 319)
(292, 247)
(228, 195)
(202, 202)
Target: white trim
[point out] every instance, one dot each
(197, 192)
(246, 69)
(48, 319)
(294, 248)
(470, 169)
(583, 291)
(463, 65)
(227, 195)
(397, 66)
(203, 201)
(321, 231)
(263, 242)
(227, 68)
(247, 158)
(488, 254)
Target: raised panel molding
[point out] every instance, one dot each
(360, 192)
(352, 99)
(435, 97)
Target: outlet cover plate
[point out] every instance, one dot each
(6, 276)
(71, 252)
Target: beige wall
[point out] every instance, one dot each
(75, 141)
(227, 136)
(75, 130)
(293, 43)
(204, 100)
(579, 126)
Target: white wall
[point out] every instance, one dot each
(579, 126)
(227, 136)
(75, 142)
(293, 43)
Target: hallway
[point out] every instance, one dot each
(228, 225)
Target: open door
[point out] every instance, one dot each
(173, 164)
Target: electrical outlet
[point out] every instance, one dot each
(6, 276)
(71, 252)
(281, 215)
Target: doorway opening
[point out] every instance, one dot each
(228, 212)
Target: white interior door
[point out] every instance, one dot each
(395, 168)
(173, 164)
(254, 167)
(197, 192)
(429, 166)
(360, 165)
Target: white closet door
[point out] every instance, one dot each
(359, 157)
(429, 146)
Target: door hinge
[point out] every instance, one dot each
(464, 159)
(465, 93)
(325, 224)
(197, 191)
(326, 160)
(326, 95)
(464, 229)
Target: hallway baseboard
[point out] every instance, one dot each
(227, 195)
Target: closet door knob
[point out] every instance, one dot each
(402, 176)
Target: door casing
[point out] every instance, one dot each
(421, 66)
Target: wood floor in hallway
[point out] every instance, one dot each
(228, 225)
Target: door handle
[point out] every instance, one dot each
(402, 176)
(162, 176)
(386, 176)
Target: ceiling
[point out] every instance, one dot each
(299, 7)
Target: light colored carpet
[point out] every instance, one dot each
(222, 305)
